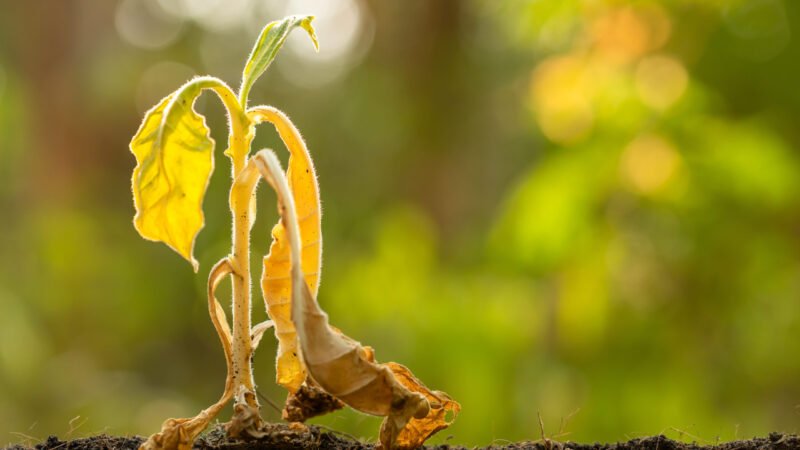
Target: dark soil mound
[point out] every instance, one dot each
(282, 436)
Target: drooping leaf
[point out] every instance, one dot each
(442, 413)
(173, 150)
(269, 42)
(180, 434)
(276, 282)
(343, 367)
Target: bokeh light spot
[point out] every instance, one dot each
(624, 34)
(145, 25)
(345, 31)
(568, 124)
(560, 95)
(649, 163)
(660, 81)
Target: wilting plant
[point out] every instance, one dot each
(319, 366)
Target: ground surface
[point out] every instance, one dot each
(284, 437)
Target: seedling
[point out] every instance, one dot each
(173, 150)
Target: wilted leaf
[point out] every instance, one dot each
(276, 281)
(418, 430)
(269, 42)
(342, 366)
(179, 434)
(173, 151)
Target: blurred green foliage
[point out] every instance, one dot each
(587, 209)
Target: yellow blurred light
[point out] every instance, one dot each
(649, 163)
(661, 81)
(567, 125)
(561, 90)
(625, 34)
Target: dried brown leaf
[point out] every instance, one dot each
(442, 413)
(342, 366)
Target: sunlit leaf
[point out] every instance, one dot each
(269, 42)
(276, 281)
(173, 151)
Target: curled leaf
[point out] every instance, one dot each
(269, 42)
(276, 282)
(343, 367)
(217, 312)
(257, 332)
(180, 434)
(173, 150)
(442, 413)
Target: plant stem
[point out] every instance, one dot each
(240, 205)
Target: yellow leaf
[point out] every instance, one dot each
(173, 150)
(276, 282)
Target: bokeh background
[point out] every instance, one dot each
(583, 209)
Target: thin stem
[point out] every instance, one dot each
(265, 164)
(244, 92)
(240, 204)
(241, 135)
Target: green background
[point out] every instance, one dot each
(580, 208)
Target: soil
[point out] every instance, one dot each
(282, 436)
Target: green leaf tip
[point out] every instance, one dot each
(271, 39)
(306, 24)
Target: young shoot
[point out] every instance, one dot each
(174, 155)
